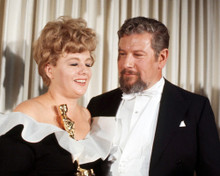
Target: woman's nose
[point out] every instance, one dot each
(83, 69)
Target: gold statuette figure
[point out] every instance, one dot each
(84, 172)
(68, 124)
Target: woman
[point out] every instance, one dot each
(33, 140)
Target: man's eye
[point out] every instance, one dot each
(74, 64)
(138, 55)
(122, 54)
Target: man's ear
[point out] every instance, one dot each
(163, 58)
(49, 70)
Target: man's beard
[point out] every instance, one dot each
(138, 86)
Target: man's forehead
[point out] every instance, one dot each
(135, 42)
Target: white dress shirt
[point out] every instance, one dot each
(136, 121)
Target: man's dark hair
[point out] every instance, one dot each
(138, 25)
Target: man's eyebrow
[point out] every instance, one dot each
(142, 51)
(119, 49)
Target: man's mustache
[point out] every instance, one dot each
(127, 71)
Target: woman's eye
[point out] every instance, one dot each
(89, 65)
(74, 64)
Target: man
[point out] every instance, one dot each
(162, 130)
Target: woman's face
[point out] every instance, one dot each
(71, 75)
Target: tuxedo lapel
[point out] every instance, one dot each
(171, 112)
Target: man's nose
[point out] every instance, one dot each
(129, 61)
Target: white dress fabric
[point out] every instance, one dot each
(96, 144)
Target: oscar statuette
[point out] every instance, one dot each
(69, 126)
(84, 172)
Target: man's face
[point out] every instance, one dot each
(138, 67)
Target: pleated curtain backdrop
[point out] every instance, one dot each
(194, 58)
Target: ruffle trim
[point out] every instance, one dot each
(96, 145)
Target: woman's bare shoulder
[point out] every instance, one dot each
(31, 107)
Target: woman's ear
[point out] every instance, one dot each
(49, 70)
(162, 59)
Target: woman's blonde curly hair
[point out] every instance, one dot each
(64, 35)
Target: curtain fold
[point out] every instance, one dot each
(194, 54)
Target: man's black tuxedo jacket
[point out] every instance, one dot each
(177, 151)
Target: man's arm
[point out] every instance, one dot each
(208, 144)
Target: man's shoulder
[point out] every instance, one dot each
(105, 104)
(109, 95)
(186, 94)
